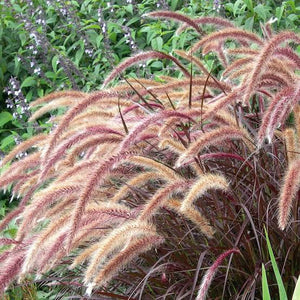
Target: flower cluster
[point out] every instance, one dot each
(16, 100)
(162, 4)
(106, 41)
(129, 40)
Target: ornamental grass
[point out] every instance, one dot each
(145, 186)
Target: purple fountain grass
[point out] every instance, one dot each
(58, 241)
(29, 162)
(138, 58)
(120, 237)
(289, 190)
(277, 113)
(263, 59)
(65, 102)
(237, 64)
(175, 16)
(192, 213)
(12, 268)
(161, 197)
(291, 142)
(242, 51)
(107, 245)
(274, 79)
(7, 241)
(74, 139)
(296, 112)
(212, 138)
(166, 171)
(33, 141)
(228, 33)
(42, 200)
(211, 272)
(56, 232)
(97, 176)
(136, 181)
(283, 69)
(26, 183)
(19, 210)
(11, 178)
(92, 99)
(289, 54)
(197, 83)
(206, 182)
(48, 259)
(219, 22)
(124, 257)
(92, 142)
(58, 95)
(152, 119)
(224, 101)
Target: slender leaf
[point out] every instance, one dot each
(5, 117)
(265, 287)
(282, 292)
(296, 294)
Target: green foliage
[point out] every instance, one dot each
(265, 287)
(281, 288)
(250, 13)
(282, 292)
(296, 294)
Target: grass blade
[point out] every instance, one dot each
(265, 287)
(296, 294)
(282, 292)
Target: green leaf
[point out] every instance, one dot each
(1, 74)
(157, 43)
(157, 64)
(261, 11)
(43, 295)
(132, 20)
(79, 53)
(174, 4)
(5, 117)
(129, 8)
(293, 17)
(249, 23)
(150, 36)
(29, 81)
(265, 287)
(229, 7)
(296, 294)
(249, 4)
(40, 92)
(22, 37)
(54, 63)
(50, 75)
(282, 292)
(236, 6)
(91, 26)
(7, 141)
(279, 13)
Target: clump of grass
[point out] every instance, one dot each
(166, 177)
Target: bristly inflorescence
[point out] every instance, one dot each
(122, 159)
